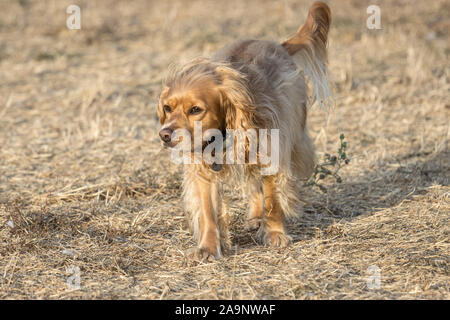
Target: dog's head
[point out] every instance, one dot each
(212, 93)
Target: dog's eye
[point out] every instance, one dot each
(167, 108)
(195, 110)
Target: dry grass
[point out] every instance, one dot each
(84, 181)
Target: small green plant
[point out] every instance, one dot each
(330, 166)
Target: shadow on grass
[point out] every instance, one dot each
(396, 180)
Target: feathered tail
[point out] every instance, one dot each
(308, 47)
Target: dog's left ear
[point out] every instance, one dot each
(160, 109)
(236, 100)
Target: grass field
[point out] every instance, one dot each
(85, 183)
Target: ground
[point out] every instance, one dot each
(87, 190)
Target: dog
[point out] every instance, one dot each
(248, 84)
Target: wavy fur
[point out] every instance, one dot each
(258, 86)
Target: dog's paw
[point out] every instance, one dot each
(253, 224)
(276, 239)
(201, 254)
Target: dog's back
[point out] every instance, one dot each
(265, 63)
(275, 73)
(307, 49)
(257, 52)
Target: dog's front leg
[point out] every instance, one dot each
(203, 201)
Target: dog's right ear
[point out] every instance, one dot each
(160, 109)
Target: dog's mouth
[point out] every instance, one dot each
(169, 144)
(205, 143)
(214, 166)
(209, 141)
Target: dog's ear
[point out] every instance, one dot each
(236, 101)
(160, 109)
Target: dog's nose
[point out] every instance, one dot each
(166, 134)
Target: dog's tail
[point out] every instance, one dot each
(309, 49)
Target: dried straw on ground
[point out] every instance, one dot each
(85, 183)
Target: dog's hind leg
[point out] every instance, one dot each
(254, 193)
(272, 231)
(255, 213)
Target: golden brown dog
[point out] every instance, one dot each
(249, 84)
